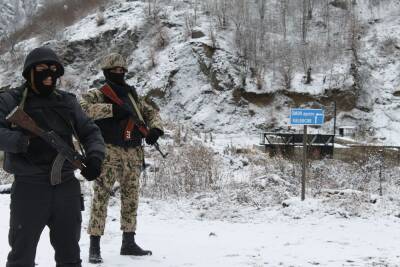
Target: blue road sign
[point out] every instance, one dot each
(300, 116)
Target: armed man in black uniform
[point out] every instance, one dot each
(36, 200)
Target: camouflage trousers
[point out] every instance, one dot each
(124, 166)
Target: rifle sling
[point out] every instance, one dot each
(75, 133)
(136, 108)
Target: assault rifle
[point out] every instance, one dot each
(18, 117)
(135, 115)
(143, 129)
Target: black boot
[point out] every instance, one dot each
(129, 246)
(94, 250)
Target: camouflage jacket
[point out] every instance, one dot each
(97, 106)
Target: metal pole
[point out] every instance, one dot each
(380, 172)
(303, 177)
(334, 117)
(334, 128)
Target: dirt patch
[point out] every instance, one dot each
(258, 99)
(299, 99)
(345, 100)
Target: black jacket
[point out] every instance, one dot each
(56, 112)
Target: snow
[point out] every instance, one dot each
(189, 96)
(15, 13)
(133, 15)
(256, 219)
(177, 238)
(380, 65)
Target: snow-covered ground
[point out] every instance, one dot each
(178, 238)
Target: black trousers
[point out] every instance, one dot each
(33, 206)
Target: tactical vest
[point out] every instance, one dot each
(113, 129)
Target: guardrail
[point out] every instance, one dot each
(319, 145)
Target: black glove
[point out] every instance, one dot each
(121, 112)
(153, 136)
(92, 169)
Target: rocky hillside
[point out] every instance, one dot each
(202, 75)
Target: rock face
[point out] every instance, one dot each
(81, 52)
(197, 34)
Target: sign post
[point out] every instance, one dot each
(306, 117)
(304, 170)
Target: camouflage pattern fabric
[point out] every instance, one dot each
(94, 104)
(124, 166)
(113, 60)
(120, 164)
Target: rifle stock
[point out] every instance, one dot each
(18, 117)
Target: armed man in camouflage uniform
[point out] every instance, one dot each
(118, 111)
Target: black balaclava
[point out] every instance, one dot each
(37, 81)
(117, 78)
(42, 55)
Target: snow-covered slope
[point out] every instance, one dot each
(198, 80)
(380, 68)
(14, 14)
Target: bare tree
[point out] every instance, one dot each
(213, 38)
(195, 11)
(310, 8)
(153, 10)
(304, 26)
(189, 24)
(327, 21)
(284, 10)
(307, 55)
(239, 13)
(222, 7)
(261, 4)
(286, 66)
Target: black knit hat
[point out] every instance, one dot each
(42, 55)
